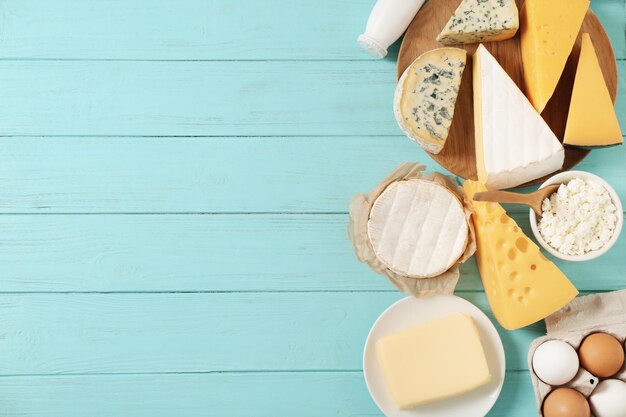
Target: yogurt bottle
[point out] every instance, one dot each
(387, 22)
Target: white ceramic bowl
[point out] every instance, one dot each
(564, 178)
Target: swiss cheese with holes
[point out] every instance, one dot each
(418, 228)
(522, 285)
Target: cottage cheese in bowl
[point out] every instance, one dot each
(579, 218)
(580, 221)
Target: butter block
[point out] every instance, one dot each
(433, 361)
(521, 285)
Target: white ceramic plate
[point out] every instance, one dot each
(410, 311)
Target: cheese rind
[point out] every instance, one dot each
(592, 121)
(418, 228)
(477, 21)
(549, 29)
(433, 361)
(513, 143)
(521, 285)
(426, 95)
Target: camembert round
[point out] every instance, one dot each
(418, 228)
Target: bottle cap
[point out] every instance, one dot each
(371, 46)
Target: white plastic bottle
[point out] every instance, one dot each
(387, 22)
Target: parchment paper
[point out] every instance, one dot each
(360, 208)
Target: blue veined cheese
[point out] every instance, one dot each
(426, 95)
(477, 21)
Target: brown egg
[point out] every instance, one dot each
(566, 402)
(601, 354)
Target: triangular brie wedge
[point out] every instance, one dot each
(477, 21)
(592, 121)
(514, 144)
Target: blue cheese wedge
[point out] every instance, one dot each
(418, 228)
(426, 95)
(477, 21)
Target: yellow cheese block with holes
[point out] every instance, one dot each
(548, 31)
(433, 361)
(592, 121)
(521, 284)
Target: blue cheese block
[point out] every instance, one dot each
(426, 95)
(476, 21)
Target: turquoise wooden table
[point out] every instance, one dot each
(174, 184)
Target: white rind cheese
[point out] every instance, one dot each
(514, 144)
(426, 95)
(417, 228)
(477, 21)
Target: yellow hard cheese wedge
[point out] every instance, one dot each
(549, 29)
(433, 361)
(592, 121)
(521, 285)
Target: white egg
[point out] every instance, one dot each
(555, 362)
(609, 399)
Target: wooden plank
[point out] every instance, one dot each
(195, 98)
(160, 253)
(156, 175)
(612, 14)
(273, 394)
(131, 333)
(144, 29)
(193, 174)
(201, 98)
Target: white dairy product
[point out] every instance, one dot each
(514, 144)
(418, 228)
(387, 22)
(579, 218)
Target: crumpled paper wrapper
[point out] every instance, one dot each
(360, 208)
(605, 312)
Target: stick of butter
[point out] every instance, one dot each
(433, 361)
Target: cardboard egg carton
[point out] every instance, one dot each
(605, 312)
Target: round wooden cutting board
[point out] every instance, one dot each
(458, 154)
